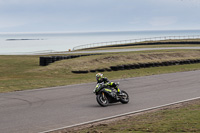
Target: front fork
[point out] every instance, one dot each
(103, 95)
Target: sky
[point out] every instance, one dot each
(98, 15)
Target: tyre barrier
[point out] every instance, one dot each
(44, 61)
(136, 66)
(132, 66)
(93, 71)
(114, 68)
(127, 67)
(121, 67)
(142, 65)
(108, 69)
(100, 70)
(79, 72)
(157, 64)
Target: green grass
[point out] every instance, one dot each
(169, 120)
(107, 60)
(23, 72)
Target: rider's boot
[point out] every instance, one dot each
(119, 93)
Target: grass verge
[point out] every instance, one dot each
(23, 72)
(177, 118)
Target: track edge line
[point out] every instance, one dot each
(120, 115)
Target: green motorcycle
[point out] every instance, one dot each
(106, 95)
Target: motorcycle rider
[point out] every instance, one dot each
(100, 79)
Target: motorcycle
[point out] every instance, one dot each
(106, 95)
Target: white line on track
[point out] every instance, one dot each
(120, 115)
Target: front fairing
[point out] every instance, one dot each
(98, 88)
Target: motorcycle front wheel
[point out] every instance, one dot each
(102, 100)
(124, 98)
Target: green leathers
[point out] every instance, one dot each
(106, 82)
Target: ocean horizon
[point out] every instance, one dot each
(25, 43)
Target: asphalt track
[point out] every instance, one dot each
(51, 108)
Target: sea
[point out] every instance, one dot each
(32, 43)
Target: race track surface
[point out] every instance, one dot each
(49, 108)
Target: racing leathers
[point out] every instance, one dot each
(108, 83)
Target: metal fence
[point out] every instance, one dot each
(99, 44)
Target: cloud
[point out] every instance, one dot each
(42, 15)
(162, 21)
(135, 21)
(9, 23)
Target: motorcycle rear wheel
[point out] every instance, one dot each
(102, 100)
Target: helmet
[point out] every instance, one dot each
(99, 76)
